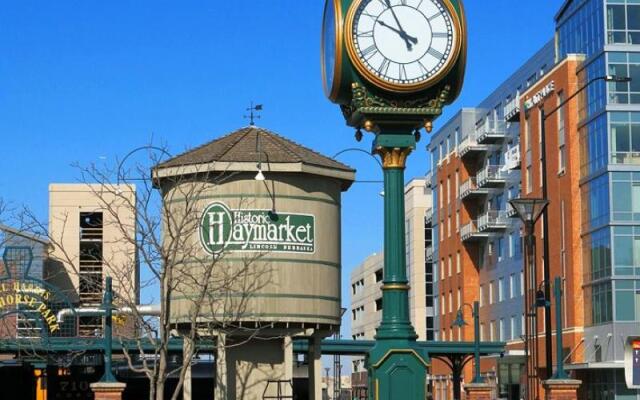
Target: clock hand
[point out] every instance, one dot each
(407, 38)
(402, 32)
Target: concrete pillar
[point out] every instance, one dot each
(41, 383)
(287, 349)
(561, 389)
(479, 391)
(108, 390)
(221, 390)
(315, 368)
(187, 346)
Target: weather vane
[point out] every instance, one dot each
(252, 115)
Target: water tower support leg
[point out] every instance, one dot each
(315, 368)
(221, 391)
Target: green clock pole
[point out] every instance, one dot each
(397, 368)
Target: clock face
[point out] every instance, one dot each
(403, 44)
(331, 47)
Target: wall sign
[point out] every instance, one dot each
(27, 296)
(632, 362)
(250, 230)
(540, 95)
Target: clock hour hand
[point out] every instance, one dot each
(406, 37)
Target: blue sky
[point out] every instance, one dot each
(87, 81)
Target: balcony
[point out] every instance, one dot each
(469, 146)
(512, 109)
(492, 176)
(494, 220)
(428, 180)
(428, 216)
(511, 212)
(429, 254)
(470, 188)
(491, 131)
(512, 157)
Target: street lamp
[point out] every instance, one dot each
(460, 322)
(529, 210)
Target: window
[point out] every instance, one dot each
(450, 301)
(457, 188)
(442, 268)
(625, 137)
(626, 250)
(443, 307)
(379, 304)
(502, 328)
(627, 300)
(521, 283)
(512, 286)
(623, 22)
(449, 266)
(379, 275)
(529, 180)
(492, 327)
(481, 296)
(458, 262)
(626, 202)
(491, 292)
(595, 203)
(601, 304)
(624, 64)
(562, 150)
(501, 289)
(482, 332)
(459, 304)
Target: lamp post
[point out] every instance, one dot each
(460, 322)
(529, 210)
(546, 269)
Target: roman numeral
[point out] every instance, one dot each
(402, 71)
(403, 2)
(440, 34)
(431, 18)
(435, 53)
(365, 34)
(423, 68)
(384, 67)
(369, 52)
(369, 15)
(384, 3)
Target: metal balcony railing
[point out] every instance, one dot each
(491, 131)
(428, 179)
(495, 219)
(492, 174)
(512, 157)
(428, 215)
(471, 146)
(468, 230)
(512, 109)
(468, 187)
(429, 253)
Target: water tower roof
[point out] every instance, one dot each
(243, 149)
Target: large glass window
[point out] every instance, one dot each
(626, 248)
(597, 248)
(626, 202)
(595, 203)
(594, 141)
(625, 137)
(601, 304)
(582, 30)
(623, 21)
(626, 65)
(594, 98)
(627, 300)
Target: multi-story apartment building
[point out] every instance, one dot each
(592, 156)
(366, 279)
(477, 239)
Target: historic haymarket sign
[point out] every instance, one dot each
(28, 296)
(247, 230)
(541, 95)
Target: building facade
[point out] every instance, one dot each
(591, 150)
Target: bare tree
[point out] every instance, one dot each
(155, 248)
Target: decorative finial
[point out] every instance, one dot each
(252, 115)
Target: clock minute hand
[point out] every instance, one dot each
(402, 32)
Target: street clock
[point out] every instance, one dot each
(407, 56)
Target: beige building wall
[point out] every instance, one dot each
(417, 199)
(366, 281)
(117, 204)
